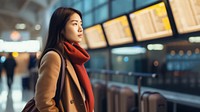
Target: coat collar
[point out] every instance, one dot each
(73, 74)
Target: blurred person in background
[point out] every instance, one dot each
(65, 34)
(1, 68)
(27, 81)
(10, 65)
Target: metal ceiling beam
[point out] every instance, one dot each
(28, 16)
(24, 6)
(42, 3)
(24, 10)
(4, 25)
(52, 2)
(9, 13)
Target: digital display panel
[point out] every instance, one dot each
(118, 31)
(95, 37)
(151, 22)
(186, 15)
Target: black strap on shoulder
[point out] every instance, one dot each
(61, 78)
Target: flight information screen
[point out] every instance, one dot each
(118, 31)
(95, 37)
(186, 15)
(151, 22)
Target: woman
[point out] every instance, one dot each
(65, 33)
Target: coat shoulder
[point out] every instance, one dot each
(52, 55)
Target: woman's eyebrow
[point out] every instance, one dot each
(75, 21)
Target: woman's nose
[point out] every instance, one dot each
(80, 29)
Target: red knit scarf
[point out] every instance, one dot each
(78, 56)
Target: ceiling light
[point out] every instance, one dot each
(20, 26)
(194, 39)
(20, 46)
(37, 27)
(155, 47)
(129, 50)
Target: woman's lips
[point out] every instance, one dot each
(80, 35)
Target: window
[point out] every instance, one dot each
(101, 14)
(78, 6)
(88, 5)
(118, 5)
(142, 3)
(99, 2)
(87, 20)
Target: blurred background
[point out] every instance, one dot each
(123, 38)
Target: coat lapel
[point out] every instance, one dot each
(72, 73)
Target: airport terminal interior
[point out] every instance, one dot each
(135, 46)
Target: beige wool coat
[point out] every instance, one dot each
(73, 97)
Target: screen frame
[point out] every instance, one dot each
(91, 46)
(170, 18)
(130, 28)
(174, 21)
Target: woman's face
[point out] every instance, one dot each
(73, 31)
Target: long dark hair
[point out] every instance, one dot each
(57, 23)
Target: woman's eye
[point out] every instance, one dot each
(75, 24)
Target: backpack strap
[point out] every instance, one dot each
(61, 78)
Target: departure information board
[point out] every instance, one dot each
(151, 22)
(95, 37)
(118, 31)
(186, 15)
